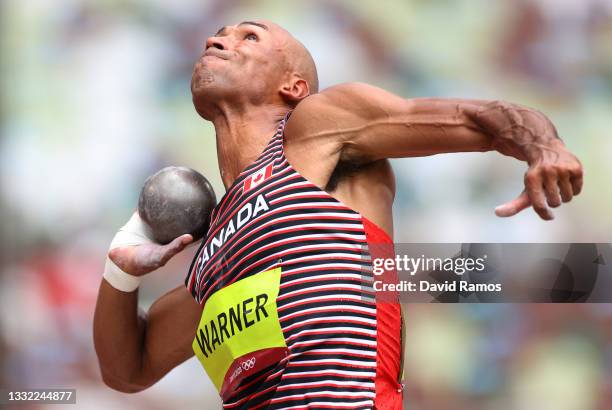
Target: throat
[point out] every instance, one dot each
(241, 139)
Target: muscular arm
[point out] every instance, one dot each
(136, 350)
(361, 124)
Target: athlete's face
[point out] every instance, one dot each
(245, 61)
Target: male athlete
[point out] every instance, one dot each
(274, 306)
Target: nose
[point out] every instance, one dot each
(217, 42)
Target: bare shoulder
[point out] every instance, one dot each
(361, 98)
(354, 92)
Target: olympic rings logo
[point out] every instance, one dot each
(248, 364)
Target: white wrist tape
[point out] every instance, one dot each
(134, 232)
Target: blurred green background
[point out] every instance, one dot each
(95, 97)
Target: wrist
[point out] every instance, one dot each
(133, 233)
(119, 279)
(536, 151)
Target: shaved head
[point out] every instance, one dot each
(305, 66)
(299, 59)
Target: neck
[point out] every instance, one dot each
(242, 135)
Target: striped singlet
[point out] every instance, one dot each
(290, 319)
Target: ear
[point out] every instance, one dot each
(295, 89)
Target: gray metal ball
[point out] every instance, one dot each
(175, 201)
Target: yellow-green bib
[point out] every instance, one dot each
(240, 324)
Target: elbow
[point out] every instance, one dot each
(121, 385)
(120, 376)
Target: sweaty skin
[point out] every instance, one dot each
(249, 76)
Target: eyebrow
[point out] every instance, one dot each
(252, 23)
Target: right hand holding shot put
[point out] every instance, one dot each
(143, 258)
(174, 210)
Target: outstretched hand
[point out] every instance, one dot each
(554, 176)
(139, 260)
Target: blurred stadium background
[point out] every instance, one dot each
(95, 97)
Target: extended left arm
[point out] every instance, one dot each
(371, 124)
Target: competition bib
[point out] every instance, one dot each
(239, 332)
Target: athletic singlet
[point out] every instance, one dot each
(290, 319)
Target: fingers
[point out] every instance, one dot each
(174, 247)
(551, 189)
(576, 181)
(561, 186)
(554, 177)
(180, 243)
(565, 186)
(535, 190)
(145, 258)
(513, 207)
(543, 189)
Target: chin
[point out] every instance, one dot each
(202, 85)
(202, 78)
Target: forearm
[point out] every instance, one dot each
(416, 127)
(516, 131)
(482, 125)
(118, 337)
